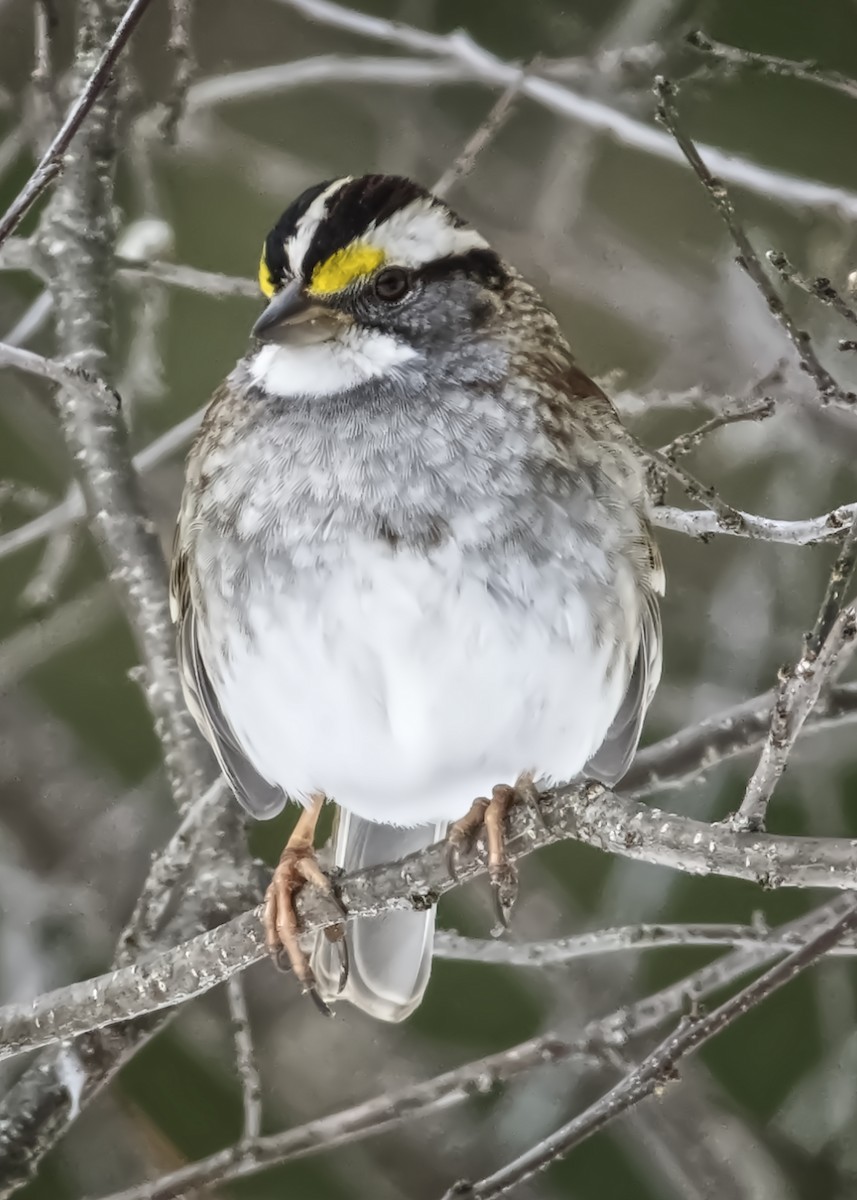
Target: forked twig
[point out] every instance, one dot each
(828, 388)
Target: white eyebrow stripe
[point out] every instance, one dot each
(300, 241)
(421, 232)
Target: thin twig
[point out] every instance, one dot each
(43, 79)
(72, 509)
(693, 752)
(658, 1069)
(180, 47)
(210, 283)
(820, 287)
(245, 1060)
(51, 163)
(486, 133)
(378, 1115)
(473, 61)
(482, 1076)
(620, 940)
(57, 372)
(685, 442)
(771, 64)
(729, 519)
(57, 556)
(827, 386)
(800, 686)
(831, 605)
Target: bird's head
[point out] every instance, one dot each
(377, 255)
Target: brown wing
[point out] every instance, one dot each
(260, 798)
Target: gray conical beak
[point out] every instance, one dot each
(293, 318)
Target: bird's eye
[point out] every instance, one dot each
(391, 283)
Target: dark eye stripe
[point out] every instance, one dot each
(479, 263)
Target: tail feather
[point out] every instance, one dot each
(389, 955)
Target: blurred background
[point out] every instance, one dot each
(622, 241)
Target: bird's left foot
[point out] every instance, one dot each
(297, 867)
(490, 815)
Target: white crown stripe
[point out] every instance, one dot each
(419, 233)
(299, 243)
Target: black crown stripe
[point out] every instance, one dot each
(367, 200)
(349, 211)
(275, 243)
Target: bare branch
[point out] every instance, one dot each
(702, 524)
(72, 509)
(831, 605)
(480, 1077)
(694, 751)
(43, 77)
(479, 64)
(485, 134)
(245, 1059)
(622, 939)
(51, 163)
(732, 415)
(585, 812)
(820, 288)
(827, 386)
(828, 527)
(771, 64)
(799, 687)
(658, 1068)
(210, 283)
(92, 422)
(729, 519)
(179, 46)
(374, 1116)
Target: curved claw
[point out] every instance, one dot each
(490, 815)
(323, 1008)
(297, 867)
(336, 935)
(504, 893)
(463, 833)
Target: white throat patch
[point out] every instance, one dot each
(349, 359)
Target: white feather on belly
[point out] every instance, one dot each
(405, 687)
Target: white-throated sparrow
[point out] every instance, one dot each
(412, 559)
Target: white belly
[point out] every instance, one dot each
(405, 688)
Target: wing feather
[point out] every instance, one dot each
(260, 798)
(614, 756)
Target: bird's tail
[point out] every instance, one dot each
(389, 955)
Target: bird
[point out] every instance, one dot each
(413, 570)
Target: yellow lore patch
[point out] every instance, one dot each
(266, 283)
(344, 267)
